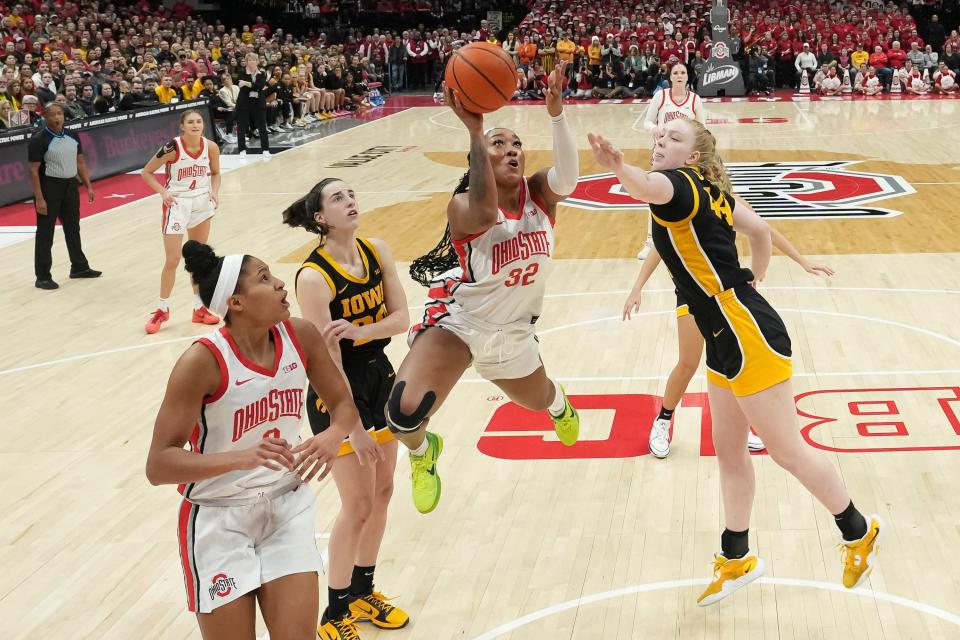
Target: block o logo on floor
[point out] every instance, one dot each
(779, 190)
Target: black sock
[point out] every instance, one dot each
(339, 600)
(851, 523)
(362, 582)
(734, 544)
(665, 414)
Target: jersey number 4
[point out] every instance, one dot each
(523, 277)
(193, 185)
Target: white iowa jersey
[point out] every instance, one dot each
(187, 174)
(503, 271)
(251, 403)
(666, 109)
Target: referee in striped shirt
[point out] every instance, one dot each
(56, 159)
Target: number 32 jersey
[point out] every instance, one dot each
(503, 271)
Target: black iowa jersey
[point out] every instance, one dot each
(359, 300)
(694, 235)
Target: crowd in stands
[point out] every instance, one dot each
(622, 49)
(139, 54)
(94, 58)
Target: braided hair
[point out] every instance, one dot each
(442, 257)
(301, 213)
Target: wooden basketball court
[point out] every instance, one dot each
(533, 540)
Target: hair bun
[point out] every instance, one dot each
(199, 259)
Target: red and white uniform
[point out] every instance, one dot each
(830, 84)
(492, 300)
(663, 108)
(915, 81)
(945, 81)
(244, 528)
(188, 177)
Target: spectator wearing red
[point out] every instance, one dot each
(896, 56)
(879, 62)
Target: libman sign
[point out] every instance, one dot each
(721, 74)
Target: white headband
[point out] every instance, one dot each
(226, 284)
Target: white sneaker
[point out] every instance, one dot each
(265, 155)
(659, 443)
(754, 443)
(242, 154)
(644, 252)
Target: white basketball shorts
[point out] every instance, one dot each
(500, 352)
(186, 212)
(227, 552)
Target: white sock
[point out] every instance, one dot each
(164, 304)
(421, 450)
(197, 302)
(559, 404)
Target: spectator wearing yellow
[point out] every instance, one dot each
(566, 48)
(190, 89)
(166, 92)
(859, 57)
(594, 53)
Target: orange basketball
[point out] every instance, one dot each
(483, 76)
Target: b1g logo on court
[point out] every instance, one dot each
(222, 586)
(840, 420)
(779, 190)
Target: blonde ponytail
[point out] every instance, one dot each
(710, 164)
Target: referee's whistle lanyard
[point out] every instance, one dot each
(54, 133)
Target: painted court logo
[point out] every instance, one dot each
(780, 190)
(222, 586)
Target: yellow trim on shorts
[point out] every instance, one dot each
(382, 436)
(683, 310)
(762, 367)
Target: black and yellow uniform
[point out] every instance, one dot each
(359, 300)
(748, 349)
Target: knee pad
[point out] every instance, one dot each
(397, 420)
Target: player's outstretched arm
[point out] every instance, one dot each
(559, 181)
(652, 187)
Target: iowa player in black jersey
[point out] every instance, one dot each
(748, 350)
(349, 288)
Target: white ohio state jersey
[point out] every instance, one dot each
(667, 109)
(189, 175)
(503, 271)
(250, 403)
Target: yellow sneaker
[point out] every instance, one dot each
(730, 575)
(567, 425)
(374, 608)
(343, 629)
(860, 556)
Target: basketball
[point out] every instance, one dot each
(483, 75)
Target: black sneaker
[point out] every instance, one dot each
(86, 273)
(47, 284)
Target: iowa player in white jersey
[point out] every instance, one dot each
(191, 192)
(349, 289)
(494, 258)
(749, 366)
(679, 101)
(246, 525)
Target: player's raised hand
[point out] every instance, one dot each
(554, 92)
(606, 155)
(473, 121)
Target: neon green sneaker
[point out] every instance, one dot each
(424, 477)
(567, 425)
